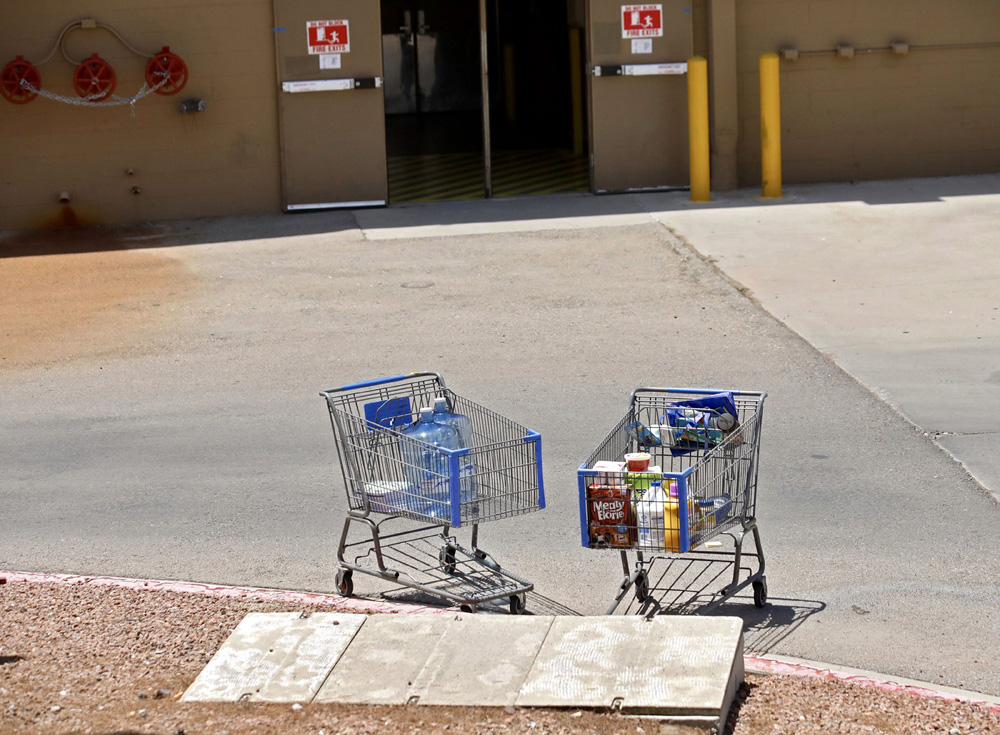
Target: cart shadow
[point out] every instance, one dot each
(688, 587)
(536, 604)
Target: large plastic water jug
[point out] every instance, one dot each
(468, 486)
(426, 469)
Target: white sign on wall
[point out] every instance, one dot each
(329, 61)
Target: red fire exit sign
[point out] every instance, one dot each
(328, 36)
(641, 21)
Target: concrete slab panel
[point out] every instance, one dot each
(670, 666)
(275, 657)
(481, 660)
(384, 659)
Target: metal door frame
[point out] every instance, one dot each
(485, 84)
(586, 89)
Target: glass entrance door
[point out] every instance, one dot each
(433, 95)
(484, 98)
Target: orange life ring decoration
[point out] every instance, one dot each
(168, 70)
(94, 79)
(10, 81)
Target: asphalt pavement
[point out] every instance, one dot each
(203, 451)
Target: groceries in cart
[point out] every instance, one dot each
(696, 424)
(642, 510)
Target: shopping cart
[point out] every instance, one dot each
(701, 482)
(503, 464)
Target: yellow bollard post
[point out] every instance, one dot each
(770, 126)
(697, 71)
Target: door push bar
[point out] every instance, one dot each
(331, 85)
(639, 70)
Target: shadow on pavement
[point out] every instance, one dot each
(72, 231)
(684, 586)
(68, 233)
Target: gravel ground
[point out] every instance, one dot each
(81, 658)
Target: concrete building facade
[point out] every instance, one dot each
(426, 99)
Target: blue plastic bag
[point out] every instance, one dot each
(699, 423)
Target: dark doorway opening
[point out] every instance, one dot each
(436, 137)
(537, 119)
(433, 99)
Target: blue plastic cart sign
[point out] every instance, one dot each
(389, 414)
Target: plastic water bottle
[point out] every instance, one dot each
(468, 486)
(649, 520)
(426, 469)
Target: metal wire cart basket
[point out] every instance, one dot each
(679, 470)
(393, 478)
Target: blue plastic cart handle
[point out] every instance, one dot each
(376, 381)
(381, 381)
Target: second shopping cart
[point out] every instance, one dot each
(679, 470)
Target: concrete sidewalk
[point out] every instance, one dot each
(897, 281)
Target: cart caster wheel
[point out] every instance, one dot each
(345, 582)
(517, 604)
(760, 592)
(447, 559)
(641, 587)
(468, 608)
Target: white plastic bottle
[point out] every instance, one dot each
(649, 517)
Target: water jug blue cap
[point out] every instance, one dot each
(426, 414)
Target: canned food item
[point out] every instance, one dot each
(715, 509)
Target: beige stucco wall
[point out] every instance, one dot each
(878, 115)
(223, 161)
(931, 112)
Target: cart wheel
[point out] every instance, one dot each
(345, 582)
(517, 604)
(642, 587)
(760, 592)
(467, 608)
(446, 557)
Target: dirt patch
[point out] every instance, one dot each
(77, 294)
(79, 658)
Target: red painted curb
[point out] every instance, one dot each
(340, 604)
(771, 666)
